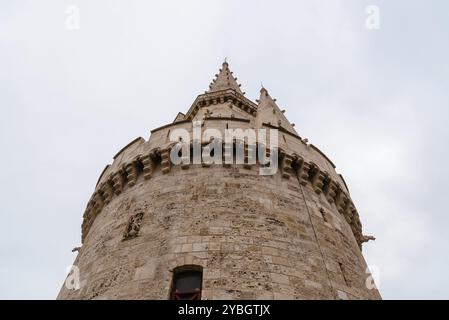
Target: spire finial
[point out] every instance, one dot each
(262, 89)
(225, 80)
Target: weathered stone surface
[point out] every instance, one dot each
(292, 235)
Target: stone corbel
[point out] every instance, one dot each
(86, 218)
(148, 166)
(318, 181)
(303, 171)
(117, 182)
(340, 201)
(98, 203)
(331, 191)
(186, 157)
(286, 164)
(165, 163)
(89, 207)
(349, 213)
(185, 164)
(107, 191)
(131, 174)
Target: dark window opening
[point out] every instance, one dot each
(187, 283)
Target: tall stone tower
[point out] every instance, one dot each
(154, 229)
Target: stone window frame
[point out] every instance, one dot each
(195, 294)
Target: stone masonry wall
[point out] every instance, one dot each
(256, 237)
(292, 235)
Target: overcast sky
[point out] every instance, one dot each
(375, 101)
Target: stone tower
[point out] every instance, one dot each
(152, 228)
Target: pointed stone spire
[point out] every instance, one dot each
(224, 80)
(269, 112)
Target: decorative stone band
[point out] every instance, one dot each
(291, 165)
(229, 96)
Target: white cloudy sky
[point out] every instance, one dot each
(376, 102)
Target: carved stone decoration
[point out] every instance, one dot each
(133, 226)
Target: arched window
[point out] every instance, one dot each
(187, 283)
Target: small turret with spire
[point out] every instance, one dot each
(269, 112)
